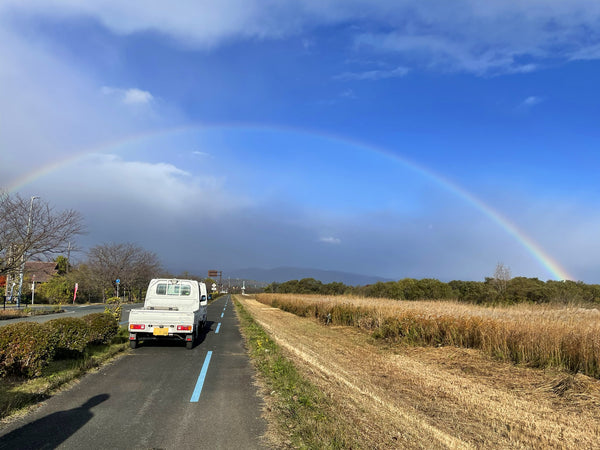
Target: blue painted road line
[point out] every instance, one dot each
(222, 314)
(218, 326)
(201, 377)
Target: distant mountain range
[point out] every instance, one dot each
(281, 274)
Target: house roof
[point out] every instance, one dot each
(43, 271)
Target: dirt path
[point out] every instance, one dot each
(436, 398)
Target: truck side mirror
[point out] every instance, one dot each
(203, 298)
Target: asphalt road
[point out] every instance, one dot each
(158, 396)
(72, 311)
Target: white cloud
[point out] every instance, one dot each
(448, 53)
(135, 186)
(491, 37)
(330, 240)
(201, 154)
(587, 53)
(528, 103)
(51, 110)
(131, 96)
(137, 96)
(531, 101)
(373, 75)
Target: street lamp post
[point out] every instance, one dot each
(23, 254)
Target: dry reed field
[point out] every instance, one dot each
(439, 396)
(536, 335)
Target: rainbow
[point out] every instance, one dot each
(545, 260)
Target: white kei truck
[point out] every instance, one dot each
(173, 309)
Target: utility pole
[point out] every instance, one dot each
(8, 275)
(23, 253)
(68, 257)
(32, 289)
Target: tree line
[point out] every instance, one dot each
(493, 290)
(31, 229)
(96, 277)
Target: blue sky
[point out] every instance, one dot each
(389, 138)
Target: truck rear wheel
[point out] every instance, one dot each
(133, 343)
(189, 344)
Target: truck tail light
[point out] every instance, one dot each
(184, 328)
(136, 326)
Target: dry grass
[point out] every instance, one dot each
(435, 397)
(539, 336)
(26, 311)
(13, 313)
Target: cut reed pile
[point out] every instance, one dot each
(536, 335)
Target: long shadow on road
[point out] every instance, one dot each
(51, 431)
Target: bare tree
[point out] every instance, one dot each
(30, 229)
(501, 277)
(129, 263)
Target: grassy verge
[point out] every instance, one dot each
(16, 395)
(303, 415)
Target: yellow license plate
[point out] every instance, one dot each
(161, 332)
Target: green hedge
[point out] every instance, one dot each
(71, 336)
(26, 347)
(102, 328)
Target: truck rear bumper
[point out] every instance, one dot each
(151, 337)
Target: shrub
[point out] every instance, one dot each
(102, 328)
(25, 348)
(113, 307)
(70, 334)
